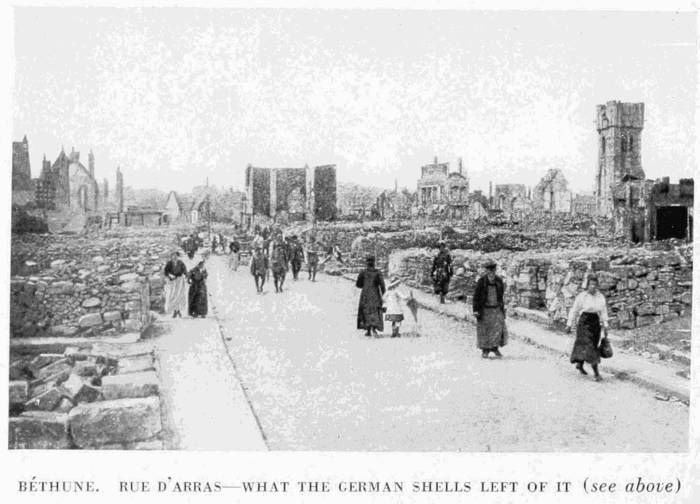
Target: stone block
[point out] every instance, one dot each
(646, 309)
(118, 421)
(131, 286)
(41, 361)
(135, 364)
(39, 430)
(58, 367)
(129, 277)
(18, 370)
(92, 302)
(139, 384)
(57, 263)
(46, 401)
(64, 330)
(64, 405)
(111, 316)
(90, 320)
(19, 392)
(646, 320)
(60, 287)
(85, 368)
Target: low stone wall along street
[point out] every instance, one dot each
(67, 285)
(643, 286)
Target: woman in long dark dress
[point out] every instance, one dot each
(369, 312)
(590, 314)
(198, 291)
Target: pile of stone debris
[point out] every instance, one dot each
(94, 396)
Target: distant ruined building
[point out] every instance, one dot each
(552, 193)
(441, 192)
(619, 128)
(296, 193)
(512, 199)
(64, 188)
(641, 209)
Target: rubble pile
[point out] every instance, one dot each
(70, 285)
(93, 396)
(642, 285)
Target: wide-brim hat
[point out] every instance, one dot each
(490, 264)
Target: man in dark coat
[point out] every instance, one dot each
(369, 313)
(278, 263)
(442, 271)
(258, 268)
(312, 258)
(490, 312)
(296, 256)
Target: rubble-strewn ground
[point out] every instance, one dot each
(317, 383)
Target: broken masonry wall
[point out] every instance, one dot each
(643, 286)
(69, 285)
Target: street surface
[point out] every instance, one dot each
(317, 383)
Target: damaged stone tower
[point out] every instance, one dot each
(619, 128)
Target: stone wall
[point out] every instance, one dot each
(642, 285)
(101, 396)
(70, 285)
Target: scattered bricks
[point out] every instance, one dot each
(57, 367)
(39, 430)
(92, 302)
(46, 401)
(57, 263)
(98, 259)
(135, 364)
(90, 320)
(19, 392)
(118, 421)
(111, 316)
(140, 384)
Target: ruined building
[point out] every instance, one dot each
(619, 128)
(445, 193)
(512, 199)
(298, 193)
(63, 188)
(552, 193)
(641, 209)
(22, 186)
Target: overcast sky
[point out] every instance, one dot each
(175, 95)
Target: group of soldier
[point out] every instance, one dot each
(278, 254)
